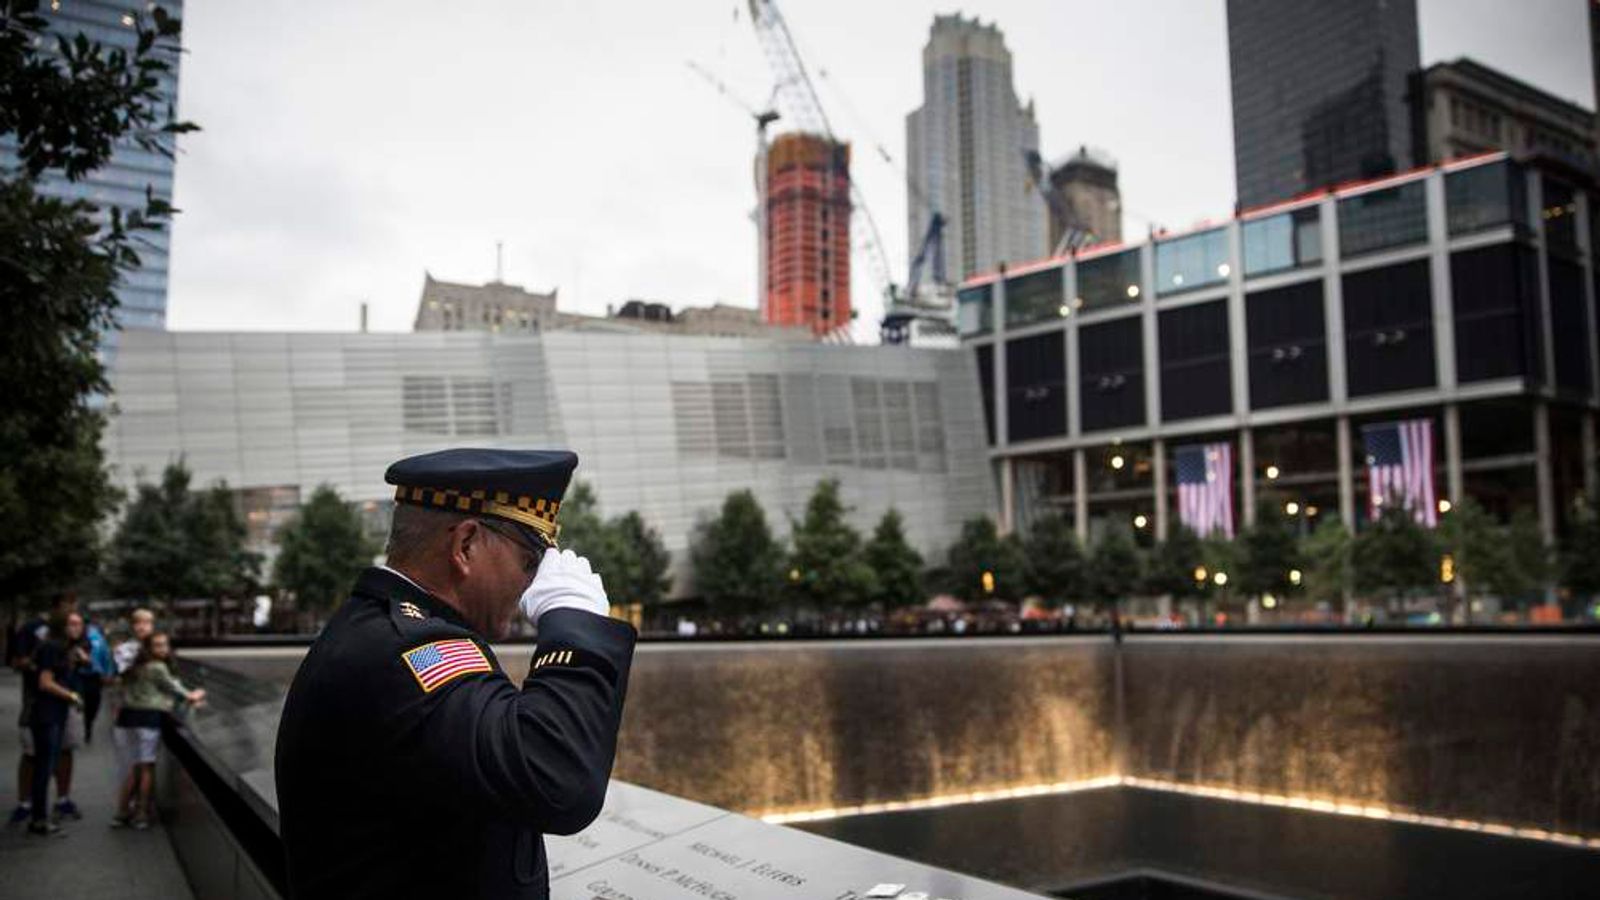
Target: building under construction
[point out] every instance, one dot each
(807, 233)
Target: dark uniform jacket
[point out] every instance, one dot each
(405, 773)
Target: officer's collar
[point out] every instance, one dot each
(391, 586)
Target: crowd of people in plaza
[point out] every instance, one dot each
(70, 668)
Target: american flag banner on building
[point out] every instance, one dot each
(436, 663)
(1400, 468)
(1205, 487)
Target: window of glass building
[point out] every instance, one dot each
(1485, 196)
(1560, 214)
(1035, 297)
(985, 361)
(1036, 375)
(1195, 261)
(1108, 280)
(1378, 220)
(975, 310)
(1111, 374)
(1282, 242)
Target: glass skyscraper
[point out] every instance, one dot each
(132, 169)
(1319, 92)
(966, 151)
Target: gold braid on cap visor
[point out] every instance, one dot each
(537, 513)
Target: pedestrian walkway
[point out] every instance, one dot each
(91, 859)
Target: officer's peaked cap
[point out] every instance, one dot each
(520, 486)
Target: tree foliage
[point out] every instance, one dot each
(64, 105)
(322, 550)
(827, 569)
(1172, 565)
(1394, 555)
(980, 550)
(1271, 549)
(737, 562)
(173, 542)
(640, 573)
(582, 530)
(1114, 571)
(1326, 556)
(896, 565)
(626, 551)
(1055, 566)
(1580, 552)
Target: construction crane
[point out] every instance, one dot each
(933, 305)
(762, 118)
(798, 98)
(1073, 235)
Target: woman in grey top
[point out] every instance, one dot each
(149, 692)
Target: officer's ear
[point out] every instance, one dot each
(466, 540)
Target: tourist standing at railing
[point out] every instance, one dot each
(142, 623)
(56, 721)
(150, 692)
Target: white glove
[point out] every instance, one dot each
(565, 581)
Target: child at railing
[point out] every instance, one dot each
(149, 692)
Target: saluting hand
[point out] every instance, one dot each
(565, 581)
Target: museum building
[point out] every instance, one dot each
(1448, 312)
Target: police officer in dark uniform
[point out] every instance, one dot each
(408, 763)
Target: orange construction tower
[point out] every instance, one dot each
(808, 233)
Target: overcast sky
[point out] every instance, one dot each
(348, 147)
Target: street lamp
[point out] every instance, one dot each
(1220, 579)
(1291, 508)
(1273, 473)
(1200, 574)
(1295, 576)
(988, 582)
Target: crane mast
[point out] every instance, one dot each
(798, 99)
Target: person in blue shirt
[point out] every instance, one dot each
(101, 669)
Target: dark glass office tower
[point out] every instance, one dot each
(1319, 92)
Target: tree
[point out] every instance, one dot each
(1394, 555)
(1270, 551)
(827, 568)
(1580, 552)
(150, 553)
(897, 567)
(641, 575)
(626, 552)
(1054, 563)
(1530, 556)
(321, 551)
(981, 551)
(737, 562)
(1173, 563)
(1477, 546)
(174, 542)
(1114, 568)
(1326, 553)
(581, 526)
(222, 565)
(64, 106)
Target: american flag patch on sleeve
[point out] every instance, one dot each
(437, 663)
